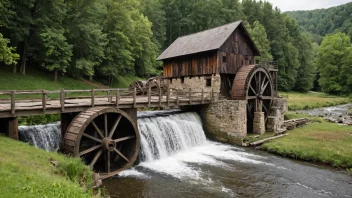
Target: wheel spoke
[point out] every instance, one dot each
(124, 138)
(120, 154)
(265, 109)
(266, 98)
(259, 82)
(250, 86)
(115, 125)
(96, 157)
(251, 97)
(106, 124)
(264, 87)
(91, 137)
(97, 129)
(89, 150)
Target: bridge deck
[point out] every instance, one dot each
(65, 101)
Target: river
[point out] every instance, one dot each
(178, 161)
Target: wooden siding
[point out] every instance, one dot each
(235, 59)
(205, 63)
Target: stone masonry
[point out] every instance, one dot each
(196, 83)
(225, 121)
(276, 118)
(259, 123)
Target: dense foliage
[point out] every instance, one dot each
(114, 37)
(324, 21)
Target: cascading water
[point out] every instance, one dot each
(46, 137)
(163, 136)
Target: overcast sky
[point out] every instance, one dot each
(288, 5)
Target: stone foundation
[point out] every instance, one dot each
(225, 121)
(196, 83)
(259, 123)
(276, 118)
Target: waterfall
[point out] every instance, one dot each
(46, 137)
(164, 135)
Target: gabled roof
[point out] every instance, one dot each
(207, 40)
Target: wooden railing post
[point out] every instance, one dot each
(108, 95)
(202, 96)
(117, 97)
(160, 97)
(92, 102)
(149, 95)
(177, 99)
(190, 95)
(13, 103)
(134, 97)
(44, 100)
(168, 96)
(62, 100)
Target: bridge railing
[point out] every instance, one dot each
(38, 99)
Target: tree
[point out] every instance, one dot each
(58, 51)
(260, 39)
(333, 61)
(7, 54)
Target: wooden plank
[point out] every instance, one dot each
(117, 97)
(149, 95)
(13, 128)
(134, 97)
(62, 100)
(92, 102)
(13, 102)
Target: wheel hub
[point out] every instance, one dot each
(109, 144)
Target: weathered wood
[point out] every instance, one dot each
(259, 142)
(149, 95)
(134, 97)
(62, 100)
(44, 100)
(92, 103)
(13, 128)
(117, 97)
(13, 102)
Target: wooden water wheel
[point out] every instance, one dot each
(106, 138)
(254, 84)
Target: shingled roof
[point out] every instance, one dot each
(207, 40)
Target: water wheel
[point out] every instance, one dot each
(106, 139)
(254, 84)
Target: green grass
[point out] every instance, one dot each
(124, 81)
(319, 141)
(252, 137)
(26, 171)
(311, 100)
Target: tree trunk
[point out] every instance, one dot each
(14, 68)
(56, 72)
(90, 78)
(24, 58)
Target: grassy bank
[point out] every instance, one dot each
(311, 100)
(26, 171)
(319, 141)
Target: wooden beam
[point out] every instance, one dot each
(92, 101)
(13, 128)
(13, 103)
(62, 100)
(44, 100)
(117, 98)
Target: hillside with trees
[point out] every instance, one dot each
(104, 40)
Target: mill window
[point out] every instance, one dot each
(224, 58)
(182, 80)
(208, 82)
(170, 80)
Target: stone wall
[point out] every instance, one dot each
(225, 121)
(276, 118)
(197, 83)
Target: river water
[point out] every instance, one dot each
(178, 161)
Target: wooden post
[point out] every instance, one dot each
(117, 97)
(202, 96)
(190, 95)
(62, 100)
(13, 128)
(13, 103)
(168, 96)
(177, 99)
(92, 103)
(134, 97)
(108, 95)
(149, 95)
(160, 97)
(44, 100)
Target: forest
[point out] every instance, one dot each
(105, 39)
